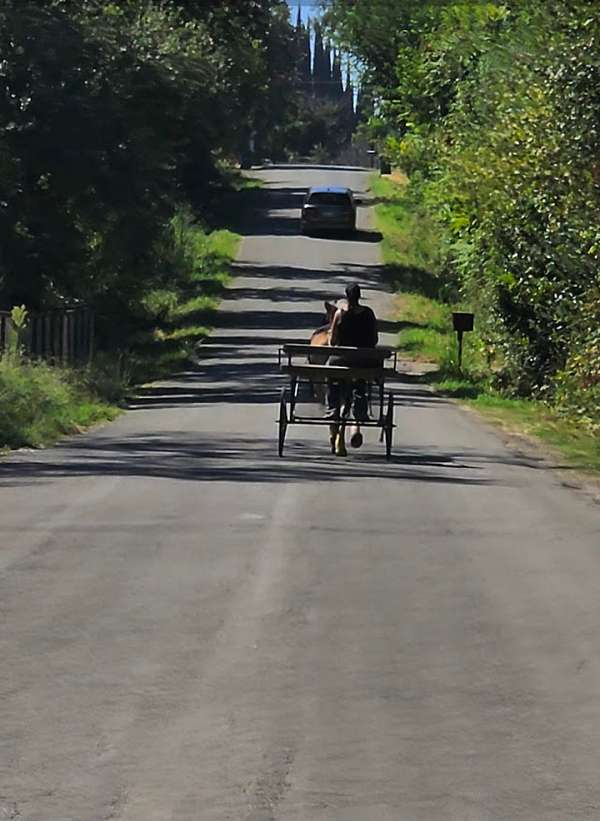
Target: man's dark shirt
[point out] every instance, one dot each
(357, 328)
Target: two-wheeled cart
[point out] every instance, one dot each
(371, 370)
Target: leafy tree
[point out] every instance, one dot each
(112, 117)
(494, 110)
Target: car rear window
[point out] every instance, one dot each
(324, 198)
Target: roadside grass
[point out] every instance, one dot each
(232, 179)
(424, 300)
(424, 327)
(237, 198)
(39, 403)
(410, 248)
(207, 256)
(423, 310)
(579, 446)
(187, 314)
(175, 319)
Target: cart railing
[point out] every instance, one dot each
(376, 355)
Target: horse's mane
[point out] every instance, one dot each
(321, 328)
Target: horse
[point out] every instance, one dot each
(319, 338)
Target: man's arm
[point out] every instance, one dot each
(334, 331)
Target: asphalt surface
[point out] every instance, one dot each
(191, 628)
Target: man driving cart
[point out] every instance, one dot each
(353, 326)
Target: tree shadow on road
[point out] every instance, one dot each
(348, 237)
(334, 278)
(206, 458)
(275, 294)
(227, 379)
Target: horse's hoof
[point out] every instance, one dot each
(356, 440)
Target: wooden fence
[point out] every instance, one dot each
(61, 336)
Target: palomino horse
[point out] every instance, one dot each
(320, 338)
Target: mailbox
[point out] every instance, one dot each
(462, 321)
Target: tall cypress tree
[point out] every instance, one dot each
(364, 104)
(302, 56)
(358, 114)
(337, 87)
(320, 72)
(349, 121)
(306, 68)
(327, 72)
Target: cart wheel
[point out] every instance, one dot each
(294, 390)
(389, 427)
(283, 421)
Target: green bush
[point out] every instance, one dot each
(494, 111)
(578, 384)
(412, 242)
(38, 403)
(176, 87)
(159, 304)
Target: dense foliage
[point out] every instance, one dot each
(115, 116)
(39, 403)
(493, 108)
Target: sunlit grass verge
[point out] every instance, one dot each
(579, 446)
(39, 403)
(233, 178)
(411, 246)
(424, 327)
(183, 316)
(473, 385)
(412, 254)
(423, 309)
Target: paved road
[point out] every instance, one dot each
(194, 630)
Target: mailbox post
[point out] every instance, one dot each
(463, 322)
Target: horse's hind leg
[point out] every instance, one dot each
(320, 392)
(333, 432)
(340, 441)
